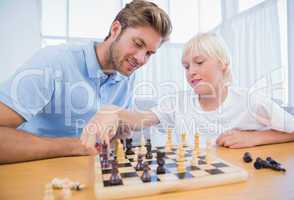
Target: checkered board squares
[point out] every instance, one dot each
(202, 175)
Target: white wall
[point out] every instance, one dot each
(290, 12)
(19, 33)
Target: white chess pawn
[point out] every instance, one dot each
(48, 194)
(66, 192)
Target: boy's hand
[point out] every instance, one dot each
(239, 139)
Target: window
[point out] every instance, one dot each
(64, 20)
(91, 18)
(246, 4)
(54, 17)
(189, 17)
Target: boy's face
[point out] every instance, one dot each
(132, 48)
(203, 73)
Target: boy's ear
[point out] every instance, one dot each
(224, 66)
(115, 30)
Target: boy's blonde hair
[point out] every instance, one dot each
(144, 13)
(211, 45)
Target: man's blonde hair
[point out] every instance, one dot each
(144, 13)
(211, 45)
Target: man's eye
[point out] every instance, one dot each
(200, 63)
(138, 44)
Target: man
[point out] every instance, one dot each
(51, 98)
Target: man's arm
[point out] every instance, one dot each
(17, 146)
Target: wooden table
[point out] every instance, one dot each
(27, 180)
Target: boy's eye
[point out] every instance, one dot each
(186, 66)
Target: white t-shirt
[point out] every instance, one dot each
(242, 109)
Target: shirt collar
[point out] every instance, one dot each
(94, 68)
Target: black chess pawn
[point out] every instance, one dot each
(129, 146)
(149, 148)
(275, 165)
(104, 156)
(146, 177)
(247, 157)
(260, 163)
(160, 162)
(115, 179)
(139, 165)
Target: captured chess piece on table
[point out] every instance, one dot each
(48, 193)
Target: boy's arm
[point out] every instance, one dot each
(137, 120)
(104, 124)
(241, 139)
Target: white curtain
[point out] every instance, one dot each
(253, 38)
(163, 73)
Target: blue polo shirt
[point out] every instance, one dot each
(61, 87)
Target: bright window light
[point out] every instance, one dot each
(189, 17)
(91, 18)
(246, 4)
(54, 17)
(50, 42)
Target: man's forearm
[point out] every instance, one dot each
(17, 146)
(272, 136)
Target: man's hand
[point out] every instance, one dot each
(103, 127)
(239, 139)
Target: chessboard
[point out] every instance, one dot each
(217, 172)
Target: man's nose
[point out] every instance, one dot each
(140, 57)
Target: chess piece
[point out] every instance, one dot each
(139, 165)
(160, 162)
(196, 150)
(168, 145)
(120, 154)
(181, 159)
(208, 151)
(129, 146)
(142, 145)
(66, 192)
(115, 178)
(184, 138)
(260, 163)
(146, 177)
(104, 156)
(48, 194)
(247, 157)
(148, 147)
(275, 165)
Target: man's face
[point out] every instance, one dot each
(133, 48)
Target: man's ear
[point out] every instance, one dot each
(115, 30)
